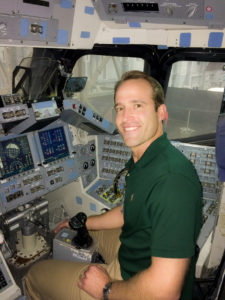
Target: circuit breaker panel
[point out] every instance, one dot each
(45, 22)
(198, 12)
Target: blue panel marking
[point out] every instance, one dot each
(85, 34)
(93, 207)
(121, 186)
(8, 183)
(135, 24)
(185, 39)
(89, 10)
(67, 104)
(105, 124)
(24, 27)
(79, 200)
(95, 186)
(161, 47)
(44, 25)
(73, 175)
(70, 163)
(62, 36)
(215, 39)
(89, 114)
(121, 40)
(66, 4)
(209, 16)
(44, 104)
(3, 198)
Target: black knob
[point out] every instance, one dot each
(92, 162)
(85, 165)
(92, 147)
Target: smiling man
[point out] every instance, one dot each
(138, 117)
(160, 220)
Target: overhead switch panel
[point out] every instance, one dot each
(191, 12)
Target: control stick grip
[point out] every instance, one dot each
(82, 239)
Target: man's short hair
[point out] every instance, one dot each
(158, 93)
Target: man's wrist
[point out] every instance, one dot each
(106, 290)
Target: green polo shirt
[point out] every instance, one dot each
(162, 211)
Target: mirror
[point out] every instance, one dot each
(74, 85)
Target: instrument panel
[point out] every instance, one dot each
(197, 12)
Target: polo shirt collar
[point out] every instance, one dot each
(151, 152)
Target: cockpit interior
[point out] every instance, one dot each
(60, 150)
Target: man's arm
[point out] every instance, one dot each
(108, 220)
(163, 280)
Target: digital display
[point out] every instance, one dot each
(15, 156)
(53, 144)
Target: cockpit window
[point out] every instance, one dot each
(10, 57)
(193, 98)
(102, 73)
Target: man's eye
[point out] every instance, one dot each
(137, 105)
(118, 109)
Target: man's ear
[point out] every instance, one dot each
(163, 114)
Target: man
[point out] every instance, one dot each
(161, 217)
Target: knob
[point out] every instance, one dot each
(92, 147)
(85, 165)
(92, 162)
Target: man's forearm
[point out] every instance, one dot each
(155, 283)
(131, 289)
(109, 220)
(163, 280)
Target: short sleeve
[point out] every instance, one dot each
(176, 217)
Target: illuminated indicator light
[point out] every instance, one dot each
(74, 106)
(68, 240)
(209, 8)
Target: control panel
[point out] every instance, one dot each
(57, 155)
(204, 160)
(103, 191)
(80, 115)
(64, 248)
(112, 156)
(87, 164)
(40, 115)
(45, 21)
(45, 109)
(33, 164)
(12, 108)
(198, 12)
(22, 179)
(13, 113)
(10, 99)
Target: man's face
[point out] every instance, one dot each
(136, 118)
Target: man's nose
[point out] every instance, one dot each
(127, 113)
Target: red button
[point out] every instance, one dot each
(209, 8)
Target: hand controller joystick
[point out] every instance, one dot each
(82, 238)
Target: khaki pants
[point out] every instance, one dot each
(57, 279)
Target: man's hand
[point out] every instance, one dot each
(93, 280)
(61, 225)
